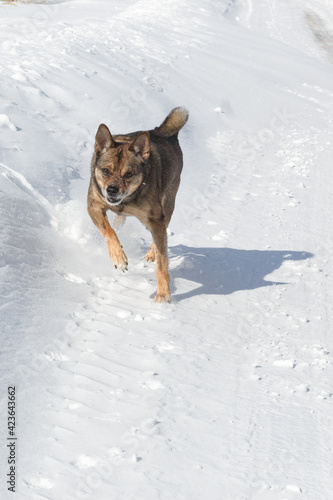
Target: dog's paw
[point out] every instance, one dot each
(162, 298)
(150, 255)
(123, 266)
(119, 260)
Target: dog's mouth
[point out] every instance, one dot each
(114, 200)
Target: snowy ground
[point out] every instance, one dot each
(227, 393)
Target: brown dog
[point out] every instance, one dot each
(138, 174)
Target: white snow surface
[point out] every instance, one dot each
(226, 393)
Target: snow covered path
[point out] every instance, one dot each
(225, 394)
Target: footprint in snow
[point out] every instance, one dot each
(41, 482)
(85, 462)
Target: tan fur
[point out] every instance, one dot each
(175, 120)
(138, 174)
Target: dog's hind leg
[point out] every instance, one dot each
(151, 253)
(169, 199)
(168, 205)
(159, 234)
(119, 221)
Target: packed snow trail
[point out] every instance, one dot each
(227, 392)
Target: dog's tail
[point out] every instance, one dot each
(175, 120)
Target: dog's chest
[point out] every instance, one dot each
(143, 211)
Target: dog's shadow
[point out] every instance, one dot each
(222, 271)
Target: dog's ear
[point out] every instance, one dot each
(141, 145)
(103, 140)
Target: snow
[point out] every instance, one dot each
(6, 123)
(226, 393)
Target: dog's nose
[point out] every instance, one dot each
(112, 190)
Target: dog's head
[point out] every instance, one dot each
(119, 167)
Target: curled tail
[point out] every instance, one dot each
(175, 120)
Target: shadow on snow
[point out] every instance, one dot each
(221, 271)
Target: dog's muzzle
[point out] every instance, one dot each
(113, 195)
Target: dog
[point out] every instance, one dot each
(138, 174)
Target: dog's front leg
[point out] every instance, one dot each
(115, 249)
(159, 234)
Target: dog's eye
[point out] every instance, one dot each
(106, 172)
(128, 175)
